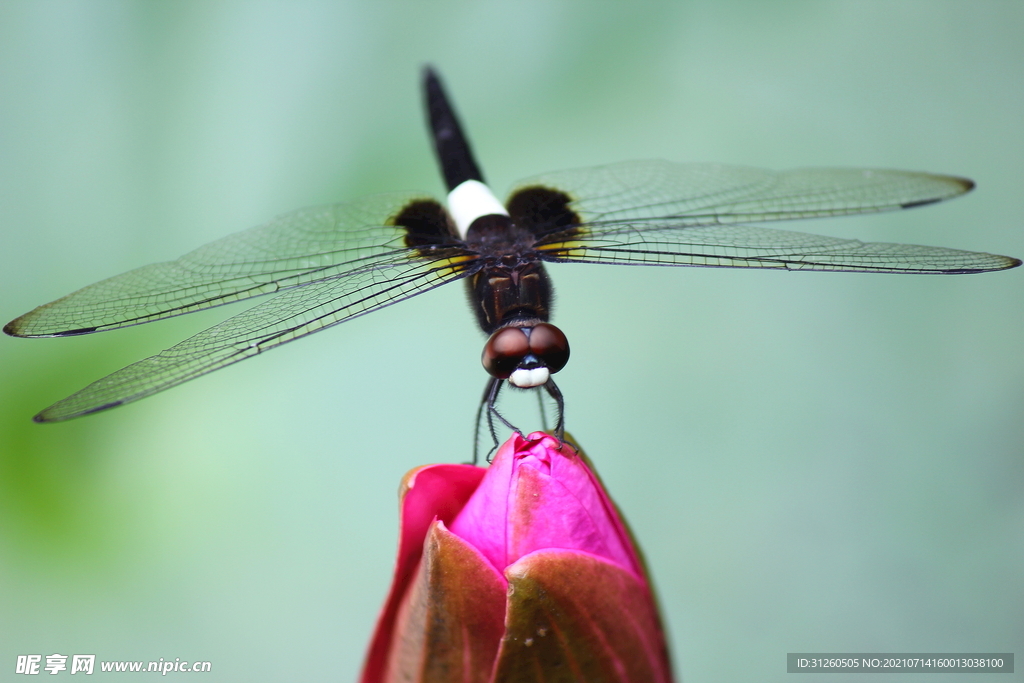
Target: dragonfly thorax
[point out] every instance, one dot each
(510, 284)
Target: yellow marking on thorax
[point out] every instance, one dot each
(451, 265)
(568, 248)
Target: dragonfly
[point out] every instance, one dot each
(326, 265)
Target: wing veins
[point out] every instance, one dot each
(125, 385)
(246, 293)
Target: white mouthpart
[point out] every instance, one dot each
(470, 200)
(534, 377)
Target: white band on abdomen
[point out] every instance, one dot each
(470, 200)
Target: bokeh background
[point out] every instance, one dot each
(812, 462)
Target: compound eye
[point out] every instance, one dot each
(504, 351)
(549, 344)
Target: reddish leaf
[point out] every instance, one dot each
(450, 622)
(575, 617)
(426, 493)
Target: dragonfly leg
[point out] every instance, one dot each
(555, 393)
(543, 412)
(490, 395)
(493, 412)
(476, 429)
(489, 402)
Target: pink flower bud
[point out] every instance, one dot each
(521, 572)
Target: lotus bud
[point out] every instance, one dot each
(524, 571)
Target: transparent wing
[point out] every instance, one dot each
(713, 194)
(748, 246)
(284, 318)
(295, 249)
(660, 213)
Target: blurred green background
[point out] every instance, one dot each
(812, 462)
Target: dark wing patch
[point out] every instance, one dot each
(427, 225)
(543, 211)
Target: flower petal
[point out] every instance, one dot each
(558, 505)
(540, 494)
(426, 493)
(575, 617)
(451, 620)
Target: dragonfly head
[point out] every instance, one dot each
(526, 355)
